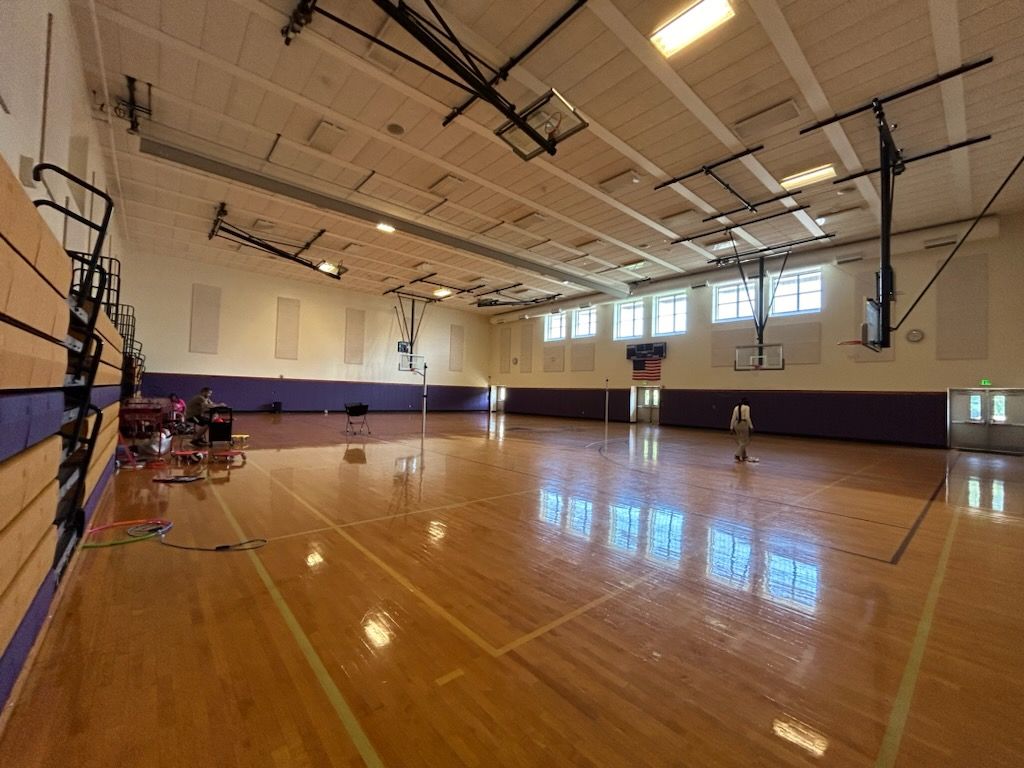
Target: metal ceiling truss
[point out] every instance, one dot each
(129, 109)
(223, 229)
(769, 250)
(731, 227)
(472, 73)
(498, 298)
(891, 164)
(709, 169)
(399, 290)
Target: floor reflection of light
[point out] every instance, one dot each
(974, 493)
(998, 495)
(625, 528)
(314, 559)
(665, 540)
(791, 581)
(580, 516)
(729, 558)
(550, 508)
(800, 734)
(437, 530)
(376, 632)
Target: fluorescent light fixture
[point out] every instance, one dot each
(820, 220)
(806, 178)
(696, 21)
(385, 227)
(326, 267)
(721, 245)
(634, 264)
(849, 259)
(442, 292)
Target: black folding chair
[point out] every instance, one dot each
(355, 415)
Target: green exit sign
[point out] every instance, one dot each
(986, 382)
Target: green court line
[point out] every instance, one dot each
(905, 695)
(341, 707)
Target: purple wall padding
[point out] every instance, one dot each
(104, 396)
(25, 636)
(245, 393)
(27, 418)
(97, 491)
(571, 403)
(911, 418)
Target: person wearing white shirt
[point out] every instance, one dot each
(741, 427)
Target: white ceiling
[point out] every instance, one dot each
(225, 87)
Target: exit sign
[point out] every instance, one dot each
(986, 382)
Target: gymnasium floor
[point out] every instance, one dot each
(519, 591)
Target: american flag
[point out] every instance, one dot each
(647, 369)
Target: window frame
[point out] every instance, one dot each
(619, 306)
(778, 279)
(675, 297)
(742, 297)
(592, 311)
(547, 326)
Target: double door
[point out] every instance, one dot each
(987, 419)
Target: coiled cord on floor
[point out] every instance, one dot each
(157, 528)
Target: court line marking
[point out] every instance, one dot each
(468, 633)
(457, 623)
(341, 708)
(890, 746)
(445, 679)
(579, 611)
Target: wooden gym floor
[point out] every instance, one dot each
(519, 592)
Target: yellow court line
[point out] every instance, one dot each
(445, 679)
(419, 594)
(889, 750)
(341, 707)
(569, 616)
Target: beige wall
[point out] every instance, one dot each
(161, 291)
(70, 120)
(913, 367)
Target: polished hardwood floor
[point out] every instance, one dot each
(516, 591)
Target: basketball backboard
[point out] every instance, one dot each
(760, 357)
(407, 362)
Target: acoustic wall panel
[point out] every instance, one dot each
(504, 349)
(526, 331)
(204, 333)
(961, 327)
(456, 347)
(724, 342)
(355, 336)
(286, 345)
(554, 358)
(582, 357)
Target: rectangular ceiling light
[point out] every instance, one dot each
(693, 23)
(385, 227)
(806, 178)
(334, 270)
(621, 183)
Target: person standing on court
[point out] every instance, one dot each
(741, 427)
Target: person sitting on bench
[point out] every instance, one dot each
(197, 411)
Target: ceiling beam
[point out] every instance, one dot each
(656, 64)
(327, 203)
(792, 56)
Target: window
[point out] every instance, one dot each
(797, 293)
(732, 302)
(665, 537)
(729, 557)
(625, 527)
(790, 581)
(554, 327)
(629, 319)
(975, 408)
(999, 408)
(670, 314)
(584, 323)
